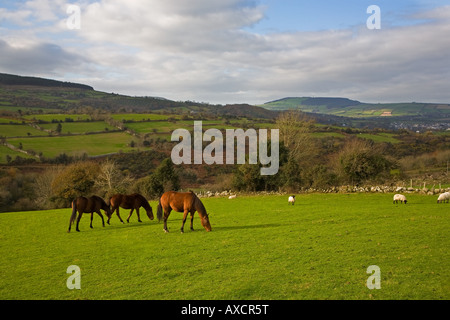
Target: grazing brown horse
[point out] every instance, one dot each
(88, 205)
(186, 202)
(132, 201)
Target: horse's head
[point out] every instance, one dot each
(149, 213)
(107, 209)
(205, 222)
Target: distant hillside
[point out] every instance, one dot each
(30, 94)
(351, 108)
(14, 80)
(246, 110)
(35, 95)
(294, 103)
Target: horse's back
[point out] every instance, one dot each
(138, 199)
(178, 201)
(115, 199)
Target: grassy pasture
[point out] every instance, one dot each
(142, 116)
(259, 248)
(19, 130)
(379, 137)
(94, 144)
(79, 127)
(4, 151)
(58, 117)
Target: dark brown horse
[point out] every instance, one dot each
(132, 201)
(88, 205)
(186, 202)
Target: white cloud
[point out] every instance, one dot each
(203, 51)
(39, 59)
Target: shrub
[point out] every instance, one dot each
(77, 179)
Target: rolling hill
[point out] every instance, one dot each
(11, 79)
(36, 95)
(355, 109)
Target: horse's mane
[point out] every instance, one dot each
(198, 204)
(144, 201)
(99, 199)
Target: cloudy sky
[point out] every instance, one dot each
(234, 51)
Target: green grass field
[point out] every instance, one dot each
(57, 116)
(5, 151)
(94, 144)
(259, 248)
(19, 130)
(79, 127)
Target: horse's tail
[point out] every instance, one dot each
(74, 213)
(108, 203)
(159, 211)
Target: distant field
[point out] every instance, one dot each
(259, 248)
(168, 126)
(379, 137)
(19, 130)
(58, 117)
(9, 120)
(4, 151)
(79, 127)
(94, 144)
(142, 116)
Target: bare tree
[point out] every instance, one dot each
(295, 132)
(43, 186)
(111, 180)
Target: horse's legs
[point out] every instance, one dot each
(184, 220)
(166, 216)
(131, 212)
(117, 212)
(92, 217)
(139, 217)
(112, 212)
(192, 220)
(101, 216)
(70, 224)
(78, 220)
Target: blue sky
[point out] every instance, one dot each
(303, 15)
(233, 51)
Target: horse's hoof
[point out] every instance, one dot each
(139, 220)
(166, 231)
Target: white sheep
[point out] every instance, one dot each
(399, 197)
(443, 197)
(291, 200)
(232, 196)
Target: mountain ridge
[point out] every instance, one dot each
(12, 79)
(355, 109)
